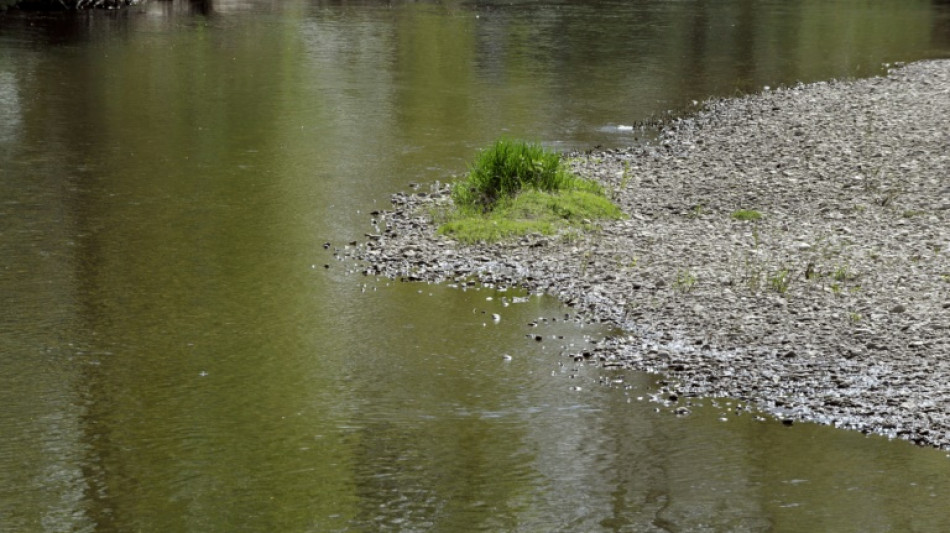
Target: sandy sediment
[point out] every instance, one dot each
(833, 307)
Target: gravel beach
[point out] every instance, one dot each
(832, 307)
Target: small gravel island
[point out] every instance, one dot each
(789, 248)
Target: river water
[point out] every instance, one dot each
(178, 351)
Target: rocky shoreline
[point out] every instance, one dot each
(833, 307)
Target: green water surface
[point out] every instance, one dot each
(174, 355)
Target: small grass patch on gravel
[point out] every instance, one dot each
(780, 281)
(685, 281)
(746, 214)
(515, 188)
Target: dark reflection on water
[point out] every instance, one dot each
(174, 356)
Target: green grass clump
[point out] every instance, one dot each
(842, 274)
(514, 189)
(685, 281)
(508, 167)
(529, 212)
(746, 214)
(780, 281)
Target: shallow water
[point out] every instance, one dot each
(175, 356)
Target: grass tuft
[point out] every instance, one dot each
(780, 281)
(746, 214)
(842, 273)
(685, 281)
(508, 167)
(515, 188)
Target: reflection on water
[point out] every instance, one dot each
(174, 356)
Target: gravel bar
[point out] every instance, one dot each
(833, 307)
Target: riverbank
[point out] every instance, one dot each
(834, 306)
